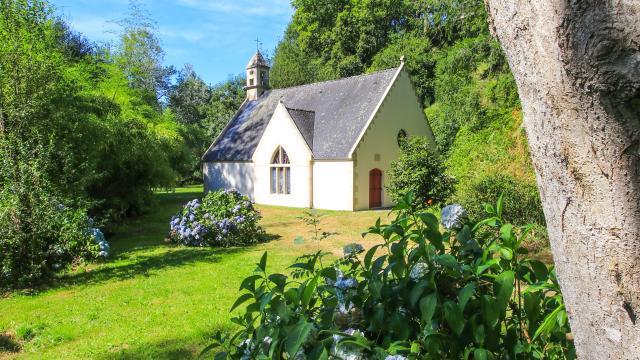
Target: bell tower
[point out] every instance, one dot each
(257, 76)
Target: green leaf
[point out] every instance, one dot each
(499, 206)
(292, 295)
(549, 322)
(209, 348)
(265, 300)
(454, 317)
(369, 255)
(428, 306)
(241, 300)
(307, 294)
(279, 279)
(296, 336)
(506, 233)
(482, 354)
(318, 353)
(487, 265)
(262, 265)
(417, 291)
(329, 273)
(478, 333)
(539, 269)
(249, 283)
(430, 220)
(465, 294)
(488, 208)
(503, 285)
(299, 240)
(490, 312)
(506, 253)
(448, 261)
(531, 307)
(220, 356)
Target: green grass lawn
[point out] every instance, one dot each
(151, 300)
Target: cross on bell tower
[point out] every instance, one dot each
(257, 75)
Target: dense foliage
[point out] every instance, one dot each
(420, 293)
(522, 199)
(221, 219)
(420, 170)
(459, 71)
(38, 233)
(80, 125)
(203, 111)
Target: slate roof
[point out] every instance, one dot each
(304, 120)
(341, 109)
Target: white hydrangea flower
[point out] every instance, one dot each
(395, 357)
(345, 351)
(419, 271)
(352, 249)
(453, 216)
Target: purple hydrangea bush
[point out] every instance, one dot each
(220, 219)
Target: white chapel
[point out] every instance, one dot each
(326, 145)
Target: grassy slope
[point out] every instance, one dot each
(151, 300)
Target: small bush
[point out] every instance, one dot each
(421, 172)
(222, 218)
(422, 293)
(522, 199)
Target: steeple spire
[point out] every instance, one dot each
(257, 75)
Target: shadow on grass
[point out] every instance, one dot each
(145, 265)
(179, 348)
(138, 249)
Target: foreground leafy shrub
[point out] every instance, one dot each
(222, 218)
(421, 171)
(419, 294)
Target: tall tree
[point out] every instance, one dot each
(225, 100)
(577, 67)
(189, 97)
(140, 54)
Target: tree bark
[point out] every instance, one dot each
(577, 67)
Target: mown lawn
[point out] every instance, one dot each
(152, 300)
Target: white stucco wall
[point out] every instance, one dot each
(229, 175)
(378, 147)
(333, 185)
(282, 131)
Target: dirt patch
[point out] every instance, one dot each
(9, 343)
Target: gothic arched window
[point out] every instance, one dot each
(280, 172)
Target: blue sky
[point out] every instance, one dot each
(216, 36)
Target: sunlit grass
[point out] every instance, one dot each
(155, 301)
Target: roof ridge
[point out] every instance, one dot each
(336, 80)
(295, 109)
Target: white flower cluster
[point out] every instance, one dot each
(418, 271)
(453, 216)
(249, 345)
(395, 357)
(352, 249)
(346, 351)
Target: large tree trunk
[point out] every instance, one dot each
(577, 66)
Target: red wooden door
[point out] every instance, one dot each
(375, 188)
